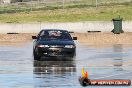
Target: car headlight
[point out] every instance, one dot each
(43, 46)
(70, 46)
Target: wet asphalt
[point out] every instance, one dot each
(19, 70)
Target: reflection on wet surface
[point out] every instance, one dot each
(19, 70)
(54, 67)
(54, 73)
(118, 61)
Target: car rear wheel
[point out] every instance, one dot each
(36, 57)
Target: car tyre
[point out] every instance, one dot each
(36, 57)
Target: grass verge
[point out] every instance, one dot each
(71, 13)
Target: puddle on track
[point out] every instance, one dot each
(18, 70)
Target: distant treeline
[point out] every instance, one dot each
(16, 1)
(13, 1)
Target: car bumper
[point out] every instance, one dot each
(56, 52)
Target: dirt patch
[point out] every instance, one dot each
(104, 38)
(87, 38)
(16, 37)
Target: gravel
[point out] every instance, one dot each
(89, 38)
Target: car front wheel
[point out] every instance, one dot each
(36, 57)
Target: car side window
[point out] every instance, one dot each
(66, 35)
(39, 34)
(42, 33)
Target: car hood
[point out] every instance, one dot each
(57, 42)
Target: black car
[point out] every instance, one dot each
(54, 43)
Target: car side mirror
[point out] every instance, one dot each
(74, 38)
(34, 37)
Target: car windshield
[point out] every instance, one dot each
(59, 35)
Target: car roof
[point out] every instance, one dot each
(54, 30)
